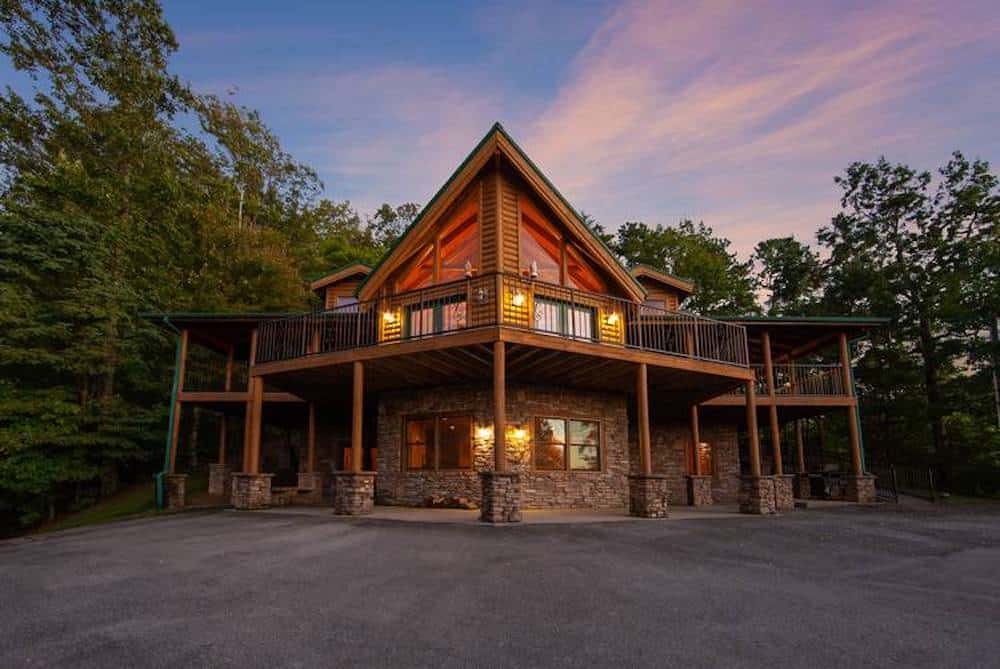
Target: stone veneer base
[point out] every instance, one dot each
(784, 500)
(219, 479)
(648, 495)
(174, 491)
(860, 489)
(353, 493)
(699, 490)
(501, 500)
(251, 491)
(757, 495)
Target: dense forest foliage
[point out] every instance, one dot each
(122, 190)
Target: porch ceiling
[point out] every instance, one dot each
(473, 364)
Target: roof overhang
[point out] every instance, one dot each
(339, 274)
(680, 285)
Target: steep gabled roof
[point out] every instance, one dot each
(497, 140)
(675, 282)
(339, 274)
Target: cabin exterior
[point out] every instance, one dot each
(499, 356)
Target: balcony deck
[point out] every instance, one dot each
(467, 315)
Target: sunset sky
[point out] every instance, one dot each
(736, 113)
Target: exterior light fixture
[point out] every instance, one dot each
(518, 299)
(389, 316)
(482, 296)
(534, 269)
(519, 433)
(484, 433)
(612, 318)
(468, 269)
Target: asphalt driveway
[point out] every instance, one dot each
(842, 587)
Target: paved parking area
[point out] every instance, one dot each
(833, 587)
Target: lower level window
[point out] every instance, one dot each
(572, 444)
(438, 442)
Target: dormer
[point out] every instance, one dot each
(663, 291)
(339, 287)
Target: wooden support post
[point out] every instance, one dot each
(229, 368)
(248, 421)
(852, 410)
(695, 440)
(752, 437)
(222, 440)
(311, 440)
(642, 400)
(256, 412)
(800, 449)
(176, 427)
(772, 408)
(499, 407)
(357, 417)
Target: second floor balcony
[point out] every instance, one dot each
(507, 301)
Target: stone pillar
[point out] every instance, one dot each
(310, 488)
(860, 489)
(353, 493)
(175, 487)
(648, 495)
(501, 497)
(783, 498)
(219, 476)
(700, 490)
(251, 491)
(757, 495)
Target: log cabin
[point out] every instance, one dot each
(499, 356)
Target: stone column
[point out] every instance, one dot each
(783, 499)
(501, 497)
(175, 489)
(648, 493)
(251, 491)
(310, 488)
(860, 486)
(756, 491)
(353, 493)
(501, 488)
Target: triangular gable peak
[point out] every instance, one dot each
(498, 212)
(662, 289)
(339, 286)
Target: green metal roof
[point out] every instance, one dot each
(497, 128)
(209, 315)
(860, 320)
(317, 277)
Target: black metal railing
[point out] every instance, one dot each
(523, 304)
(800, 379)
(205, 370)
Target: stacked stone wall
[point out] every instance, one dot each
(607, 488)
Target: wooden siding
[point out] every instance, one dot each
(488, 223)
(657, 291)
(509, 218)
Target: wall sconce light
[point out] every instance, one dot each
(389, 316)
(519, 433)
(482, 296)
(468, 269)
(612, 318)
(518, 299)
(534, 269)
(484, 433)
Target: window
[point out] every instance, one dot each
(441, 317)
(445, 258)
(346, 303)
(562, 318)
(441, 442)
(567, 444)
(579, 274)
(653, 306)
(541, 244)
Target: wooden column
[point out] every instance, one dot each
(256, 412)
(642, 401)
(800, 450)
(852, 410)
(499, 406)
(311, 440)
(223, 421)
(176, 427)
(695, 440)
(772, 408)
(357, 417)
(248, 421)
(752, 437)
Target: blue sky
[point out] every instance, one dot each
(736, 113)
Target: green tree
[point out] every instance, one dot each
(725, 285)
(791, 274)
